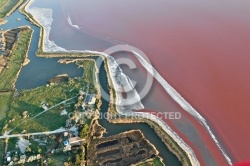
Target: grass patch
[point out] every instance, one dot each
(17, 55)
(12, 144)
(60, 159)
(5, 100)
(1, 150)
(89, 70)
(30, 101)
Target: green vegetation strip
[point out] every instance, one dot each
(5, 100)
(1, 150)
(7, 6)
(17, 56)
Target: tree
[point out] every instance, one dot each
(68, 163)
(85, 131)
(78, 160)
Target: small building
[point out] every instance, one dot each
(64, 112)
(65, 134)
(9, 159)
(90, 99)
(93, 100)
(83, 106)
(44, 106)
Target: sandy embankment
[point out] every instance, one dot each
(3, 40)
(26, 61)
(2, 63)
(2, 22)
(44, 17)
(2, 58)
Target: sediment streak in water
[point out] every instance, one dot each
(70, 23)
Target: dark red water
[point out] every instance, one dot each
(200, 47)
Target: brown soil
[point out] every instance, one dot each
(122, 149)
(2, 63)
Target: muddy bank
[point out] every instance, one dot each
(62, 78)
(2, 22)
(3, 63)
